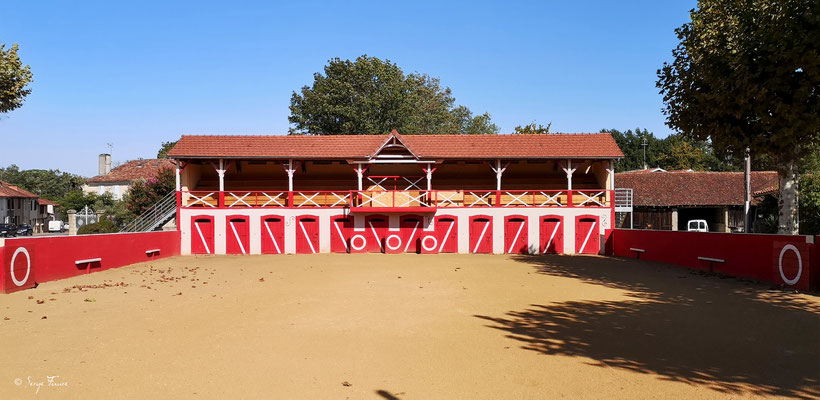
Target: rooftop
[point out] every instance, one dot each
(555, 146)
(9, 190)
(693, 188)
(133, 170)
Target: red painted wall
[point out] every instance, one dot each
(54, 258)
(745, 255)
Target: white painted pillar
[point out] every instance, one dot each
(178, 185)
(569, 170)
(610, 195)
(290, 172)
(429, 179)
(221, 172)
(360, 175)
(498, 172)
(674, 219)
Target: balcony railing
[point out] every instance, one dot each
(366, 199)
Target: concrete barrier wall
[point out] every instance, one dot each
(787, 260)
(28, 261)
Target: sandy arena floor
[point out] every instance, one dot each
(407, 327)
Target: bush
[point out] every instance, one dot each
(104, 226)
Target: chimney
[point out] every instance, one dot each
(104, 164)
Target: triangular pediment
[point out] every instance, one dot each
(394, 148)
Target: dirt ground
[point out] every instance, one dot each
(375, 326)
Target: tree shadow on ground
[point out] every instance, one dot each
(730, 335)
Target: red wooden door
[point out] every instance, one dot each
(481, 234)
(307, 234)
(552, 234)
(202, 234)
(411, 230)
(237, 235)
(586, 234)
(273, 234)
(447, 234)
(340, 229)
(515, 234)
(375, 227)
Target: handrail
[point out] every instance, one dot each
(152, 217)
(376, 198)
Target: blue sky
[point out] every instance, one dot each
(136, 74)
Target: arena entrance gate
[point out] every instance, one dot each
(202, 234)
(237, 235)
(341, 228)
(273, 234)
(552, 234)
(515, 234)
(481, 234)
(586, 234)
(307, 234)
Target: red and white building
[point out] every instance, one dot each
(393, 193)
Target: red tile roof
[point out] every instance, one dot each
(44, 202)
(9, 190)
(682, 188)
(133, 170)
(595, 145)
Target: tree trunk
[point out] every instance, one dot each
(788, 222)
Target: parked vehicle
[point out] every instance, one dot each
(697, 225)
(25, 230)
(8, 230)
(57, 226)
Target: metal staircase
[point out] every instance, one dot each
(156, 216)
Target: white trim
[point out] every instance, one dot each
(87, 261)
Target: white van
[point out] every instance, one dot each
(697, 225)
(57, 226)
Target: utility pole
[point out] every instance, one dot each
(644, 144)
(747, 190)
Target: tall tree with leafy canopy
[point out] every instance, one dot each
(374, 96)
(14, 79)
(747, 73)
(165, 147)
(532, 129)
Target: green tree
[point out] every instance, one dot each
(165, 148)
(532, 129)
(49, 184)
(14, 79)
(371, 96)
(144, 193)
(746, 73)
(77, 200)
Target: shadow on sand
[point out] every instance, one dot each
(730, 335)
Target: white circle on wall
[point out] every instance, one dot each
(791, 247)
(387, 242)
(429, 248)
(353, 242)
(28, 266)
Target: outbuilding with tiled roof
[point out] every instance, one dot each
(669, 199)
